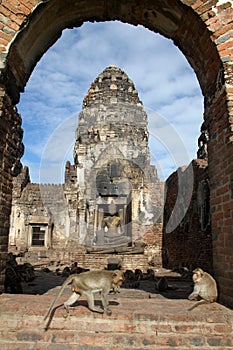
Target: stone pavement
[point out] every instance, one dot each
(140, 320)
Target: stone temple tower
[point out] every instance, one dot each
(118, 190)
(111, 200)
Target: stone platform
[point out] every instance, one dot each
(140, 320)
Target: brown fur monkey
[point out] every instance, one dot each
(86, 284)
(205, 288)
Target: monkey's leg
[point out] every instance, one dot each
(115, 289)
(193, 296)
(105, 302)
(72, 299)
(90, 300)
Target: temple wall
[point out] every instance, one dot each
(41, 206)
(189, 244)
(92, 261)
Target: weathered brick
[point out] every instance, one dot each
(26, 10)
(10, 5)
(215, 341)
(222, 328)
(5, 12)
(197, 341)
(5, 36)
(63, 337)
(13, 25)
(23, 336)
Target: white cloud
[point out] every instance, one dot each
(166, 84)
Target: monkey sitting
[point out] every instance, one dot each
(205, 288)
(161, 284)
(150, 275)
(131, 279)
(86, 284)
(138, 274)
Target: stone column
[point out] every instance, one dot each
(11, 150)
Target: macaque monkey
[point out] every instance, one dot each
(161, 284)
(138, 274)
(150, 275)
(205, 288)
(117, 282)
(86, 284)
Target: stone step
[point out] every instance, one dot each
(138, 321)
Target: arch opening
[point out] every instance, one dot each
(170, 20)
(170, 94)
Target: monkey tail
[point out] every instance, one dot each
(198, 303)
(66, 282)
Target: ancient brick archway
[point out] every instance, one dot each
(202, 31)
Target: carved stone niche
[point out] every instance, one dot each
(113, 222)
(112, 226)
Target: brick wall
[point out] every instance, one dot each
(90, 261)
(11, 149)
(190, 242)
(136, 323)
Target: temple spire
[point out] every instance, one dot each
(111, 86)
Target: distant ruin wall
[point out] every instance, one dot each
(37, 205)
(90, 261)
(190, 243)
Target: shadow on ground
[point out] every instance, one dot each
(178, 287)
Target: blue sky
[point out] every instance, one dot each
(167, 87)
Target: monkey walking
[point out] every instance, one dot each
(205, 288)
(86, 284)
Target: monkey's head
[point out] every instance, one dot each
(117, 278)
(197, 274)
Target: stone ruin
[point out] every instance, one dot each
(205, 40)
(112, 199)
